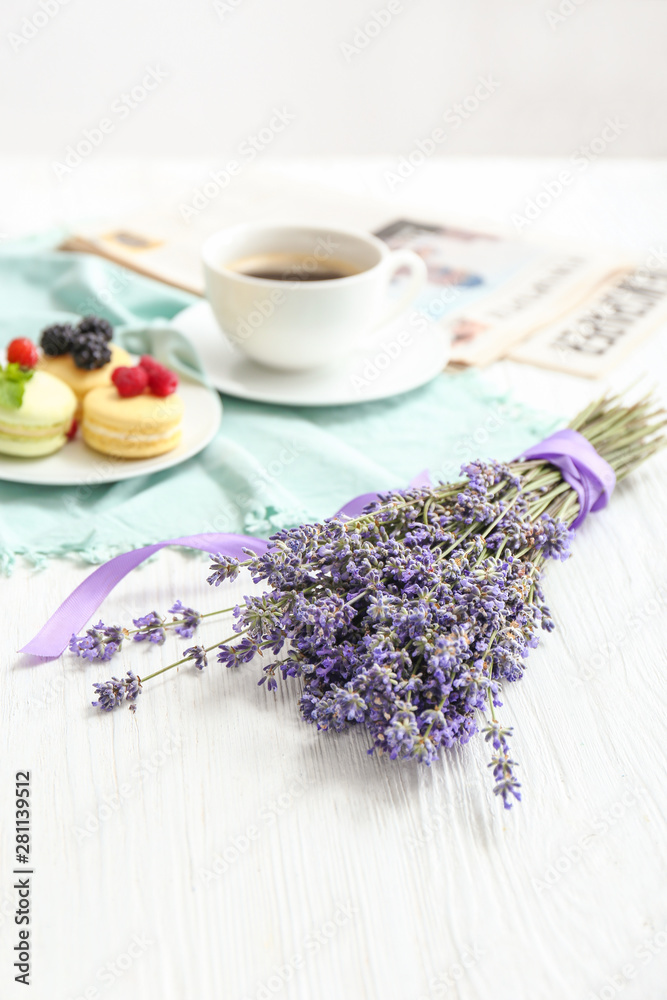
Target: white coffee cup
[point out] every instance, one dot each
(296, 325)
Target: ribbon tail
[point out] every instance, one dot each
(82, 603)
(76, 609)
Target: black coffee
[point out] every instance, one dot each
(293, 267)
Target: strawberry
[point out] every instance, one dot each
(22, 352)
(130, 381)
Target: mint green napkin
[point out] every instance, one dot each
(268, 467)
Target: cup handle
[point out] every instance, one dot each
(418, 276)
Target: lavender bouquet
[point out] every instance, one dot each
(409, 617)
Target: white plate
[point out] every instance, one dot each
(78, 465)
(406, 354)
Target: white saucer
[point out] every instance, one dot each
(78, 465)
(407, 353)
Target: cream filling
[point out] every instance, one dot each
(54, 430)
(129, 435)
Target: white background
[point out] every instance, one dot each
(558, 80)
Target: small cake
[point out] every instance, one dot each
(80, 380)
(40, 423)
(139, 426)
(83, 356)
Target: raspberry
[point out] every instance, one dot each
(57, 339)
(71, 434)
(130, 381)
(22, 352)
(95, 325)
(162, 382)
(150, 364)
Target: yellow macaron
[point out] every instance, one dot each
(81, 380)
(40, 424)
(131, 427)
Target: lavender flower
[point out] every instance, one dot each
(98, 643)
(111, 693)
(554, 538)
(409, 618)
(506, 783)
(150, 627)
(188, 618)
(198, 653)
(224, 568)
(234, 656)
(496, 735)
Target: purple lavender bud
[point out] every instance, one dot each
(189, 619)
(198, 653)
(223, 568)
(150, 627)
(99, 643)
(112, 693)
(506, 783)
(234, 656)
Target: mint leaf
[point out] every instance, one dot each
(13, 380)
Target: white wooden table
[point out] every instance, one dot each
(214, 846)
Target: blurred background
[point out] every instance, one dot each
(521, 77)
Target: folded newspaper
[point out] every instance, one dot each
(497, 294)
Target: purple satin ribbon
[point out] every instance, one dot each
(581, 466)
(83, 602)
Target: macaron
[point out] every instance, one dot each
(81, 380)
(40, 424)
(140, 426)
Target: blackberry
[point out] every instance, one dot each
(90, 351)
(57, 339)
(96, 326)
